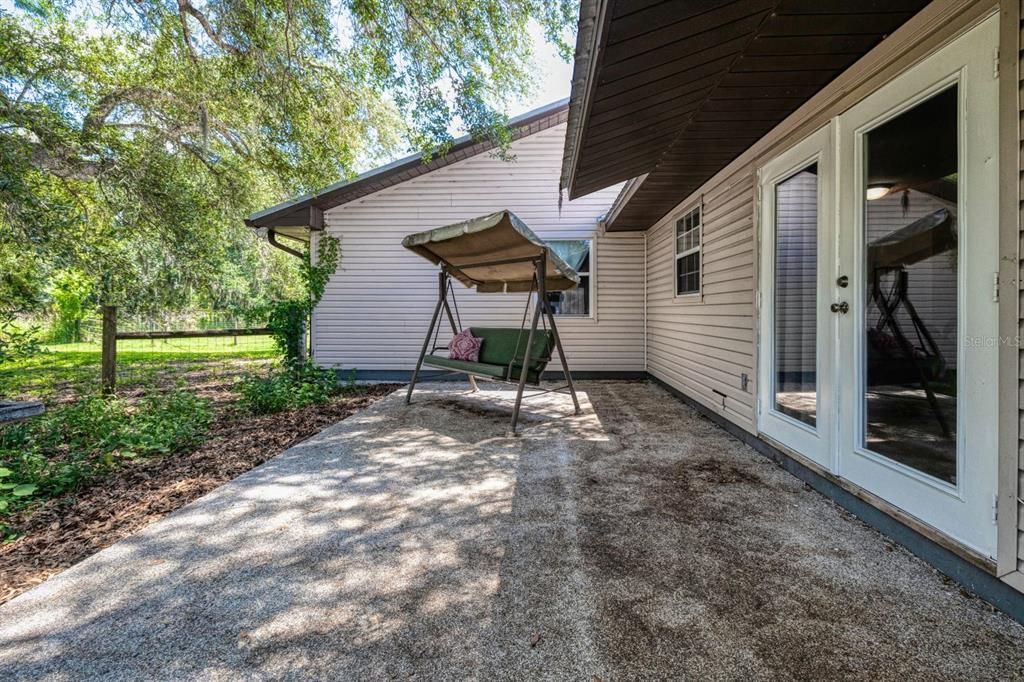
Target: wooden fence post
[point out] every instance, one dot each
(108, 373)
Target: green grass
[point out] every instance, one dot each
(68, 371)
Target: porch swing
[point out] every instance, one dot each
(496, 253)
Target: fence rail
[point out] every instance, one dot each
(110, 337)
(205, 353)
(196, 334)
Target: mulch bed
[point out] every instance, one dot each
(66, 530)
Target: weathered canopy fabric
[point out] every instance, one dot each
(489, 243)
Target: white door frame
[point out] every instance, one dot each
(814, 442)
(963, 511)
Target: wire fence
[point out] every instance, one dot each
(202, 352)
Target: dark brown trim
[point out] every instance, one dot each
(272, 238)
(676, 91)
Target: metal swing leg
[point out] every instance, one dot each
(539, 268)
(442, 281)
(561, 355)
(524, 368)
(456, 330)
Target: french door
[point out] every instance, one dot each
(797, 269)
(905, 325)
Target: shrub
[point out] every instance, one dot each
(287, 387)
(17, 342)
(72, 446)
(287, 319)
(71, 292)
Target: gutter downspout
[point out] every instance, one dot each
(645, 301)
(272, 238)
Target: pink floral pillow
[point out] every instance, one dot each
(465, 346)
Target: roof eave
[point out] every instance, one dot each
(593, 22)
(286, 213)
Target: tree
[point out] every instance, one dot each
(136, 134)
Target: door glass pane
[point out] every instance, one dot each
(910, 317)
(796, 275)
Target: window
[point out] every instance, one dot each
(573, 302)
(688, 253)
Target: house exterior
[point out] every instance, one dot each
(830, 197)
(804, 219)
(375, 325)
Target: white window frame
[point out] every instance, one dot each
(699, 249)
(591, 313)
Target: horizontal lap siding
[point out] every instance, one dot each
(1020, 374)
(377, 306)
(704, 346)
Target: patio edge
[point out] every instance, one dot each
(404, 375)
(979, 582)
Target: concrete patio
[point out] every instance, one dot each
(635, 541)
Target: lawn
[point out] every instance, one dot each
(67, 371)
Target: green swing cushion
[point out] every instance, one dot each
(497, 351)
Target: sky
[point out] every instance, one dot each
(554, 75)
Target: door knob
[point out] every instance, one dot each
(841, 307)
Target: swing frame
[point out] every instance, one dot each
(541, 306)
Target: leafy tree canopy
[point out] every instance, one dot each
(136, 134)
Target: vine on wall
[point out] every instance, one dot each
(288, 319)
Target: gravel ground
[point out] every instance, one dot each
(635, 541)
(69, 528)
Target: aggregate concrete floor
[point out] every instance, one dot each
(635, 541)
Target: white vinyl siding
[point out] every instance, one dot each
(377, 306)
(704, 349)
(1020, 352)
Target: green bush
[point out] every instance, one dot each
(71, 292)
(287, 319)
(71, 446)
(17, 342)
(285, 388)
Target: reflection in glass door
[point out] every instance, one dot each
(910, 279)
(796, 295)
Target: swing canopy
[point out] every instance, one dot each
(496, 252)
(493, 253)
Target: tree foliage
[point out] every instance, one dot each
(136, 134)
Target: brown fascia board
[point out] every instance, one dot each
(296, 212)
(593, 24)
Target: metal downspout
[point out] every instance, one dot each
(272, 238)
(645, 301)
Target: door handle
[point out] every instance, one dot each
(841, 307)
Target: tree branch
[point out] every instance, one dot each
(62, 167)
(138, 94)
(443, 54)
(186, 7)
